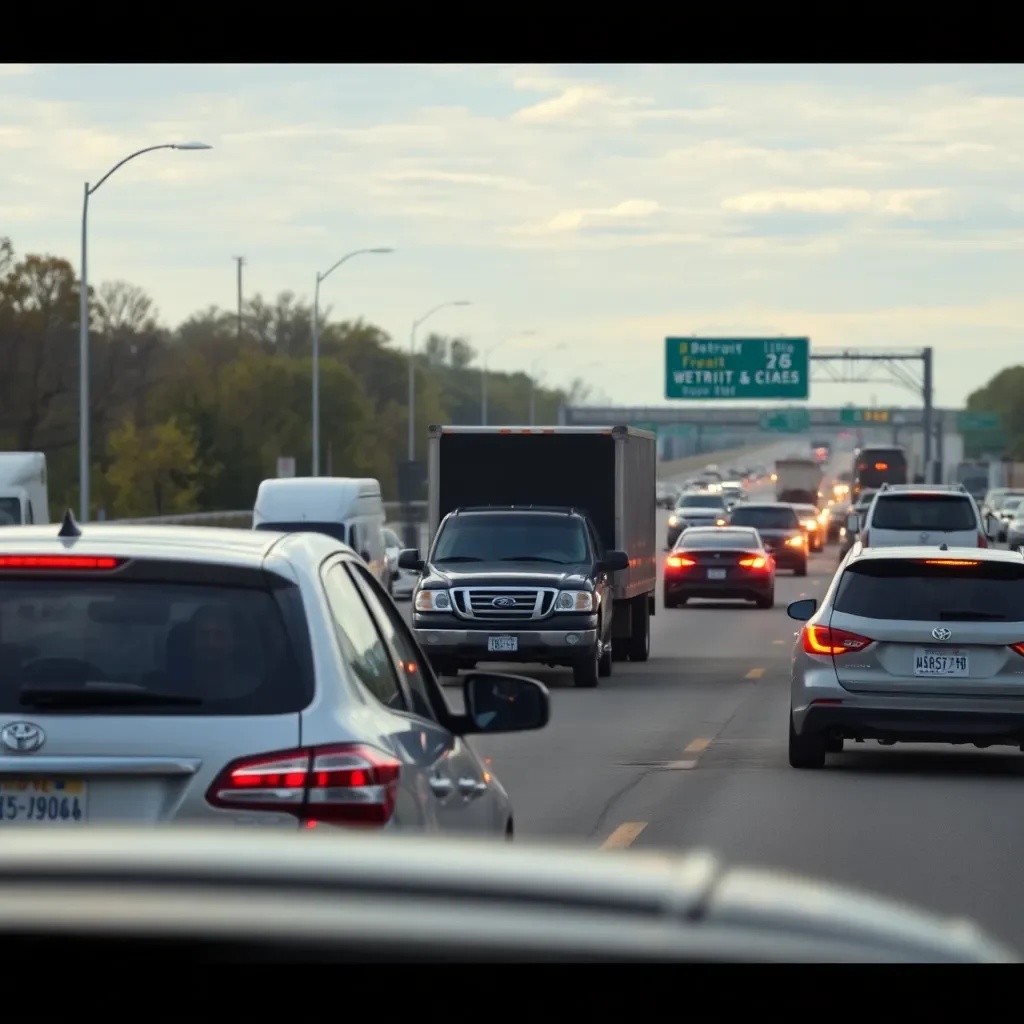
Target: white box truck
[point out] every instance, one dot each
(24, 498)
(798, 480)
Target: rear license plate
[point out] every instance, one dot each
(503, 643)
(716, 574)
(44, 802)
(942, 662)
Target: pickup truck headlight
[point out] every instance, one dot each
(433, 601)
(574, 601)
(673, 520)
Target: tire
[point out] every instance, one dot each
(834, 745)
(640, 639)
(807, 751)
(766, 602)
(800, 570)
(604, 665)
(670, 602)
(585, 673)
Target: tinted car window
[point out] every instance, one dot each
(899, 589)
(722, 538)
(236, 651)
(10, 512)
(924, 512)
(765, 518)
(328, 529)
(701, 501)
(361, 645)
(496, 538)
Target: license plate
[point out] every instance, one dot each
(943, 662)
(503, 643)
(716, 574)
(44, 802)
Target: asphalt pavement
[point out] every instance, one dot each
(689, 751)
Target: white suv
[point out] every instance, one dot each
(923, 514)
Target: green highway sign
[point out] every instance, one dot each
(730, 368)
(864, 417)
(972, 421)
(786, 421)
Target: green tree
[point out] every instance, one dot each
(1003, 394)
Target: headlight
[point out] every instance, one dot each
(796, 542)
(574, 601)
(719, 522)
(433, 601)
(673, 520)
(810, 524)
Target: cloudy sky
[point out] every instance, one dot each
(601, 206)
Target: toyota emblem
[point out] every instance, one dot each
(21, 737)
(504, 602)
(941, 633)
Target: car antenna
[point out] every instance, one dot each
(69, 528)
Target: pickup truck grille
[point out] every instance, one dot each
(504, 602)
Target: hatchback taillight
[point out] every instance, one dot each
(345, 784)
(828, 640)
(1019, 648)
(982, 540)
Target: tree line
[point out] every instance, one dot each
(1004, 395)
(192, 418)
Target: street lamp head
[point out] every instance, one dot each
(190, 145)
(380, 251)
(462, 302)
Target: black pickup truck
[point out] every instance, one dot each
(516, 583)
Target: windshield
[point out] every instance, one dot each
(719, 538)
(10, 512)
(336, 531)
(701, 501)
(772, 518)
(1011, 504)
(924, 512)
(520, 537)
(912, 591)
(223, 646)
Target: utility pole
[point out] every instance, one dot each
(240, 260)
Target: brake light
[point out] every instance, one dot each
(947, 561)
(58, 562)
(827, 640)
(982, 540)
(1019, 648)
(757, 562)
(680, 562)
(881, 465)
(346, 784)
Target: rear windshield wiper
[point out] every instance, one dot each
(532, 558)
(459, 558)
(95, 695)
(969, 616)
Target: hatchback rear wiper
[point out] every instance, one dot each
(969, 616)
(95, 695)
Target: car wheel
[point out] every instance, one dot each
(585, 672)
(834, 745)
(604, 664)
(640, 625)
(807, 751)
(768, 601)
(670, 602)
(800, 570)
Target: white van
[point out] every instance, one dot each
(24, 499)
(349, 510)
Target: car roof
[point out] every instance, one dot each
(933, 551)
(766, 504)
(716, 531)
(212, 544)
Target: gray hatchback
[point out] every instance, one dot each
(911, 644)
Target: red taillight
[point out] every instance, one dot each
(347, 784)
(57, 562)
(680, 562)
(1019, 648)
(982, 540)
(755, 562)
(826, 640)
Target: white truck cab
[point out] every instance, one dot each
(24, 497)
(348, 509)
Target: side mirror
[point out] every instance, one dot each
(852, 523)
(614, 561)
(504, 703)
(802, 610)
(409, 558)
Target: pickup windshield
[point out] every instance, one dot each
(498, 537)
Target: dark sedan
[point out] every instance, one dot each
(780, 530)
(696, 508)
(810, 519)
(719, 562)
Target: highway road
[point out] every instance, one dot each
(689, 750)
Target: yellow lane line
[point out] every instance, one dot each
(697, 746)
(754, 673)
(624, 835)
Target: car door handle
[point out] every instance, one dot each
(470, 788)
(441, 785)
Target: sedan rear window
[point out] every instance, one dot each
(931, 591)
(719, 538)
(939, 512)
(135, 647)
(701, 501)
(765, 518)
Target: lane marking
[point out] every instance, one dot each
(624, 835)
(680, 766)
(754, 673)
(778, 641)
(696, 746)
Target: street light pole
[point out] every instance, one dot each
(83, 327)
(412, 369)
(316, 348)
(483, 371)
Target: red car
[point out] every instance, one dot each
(722, 562)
